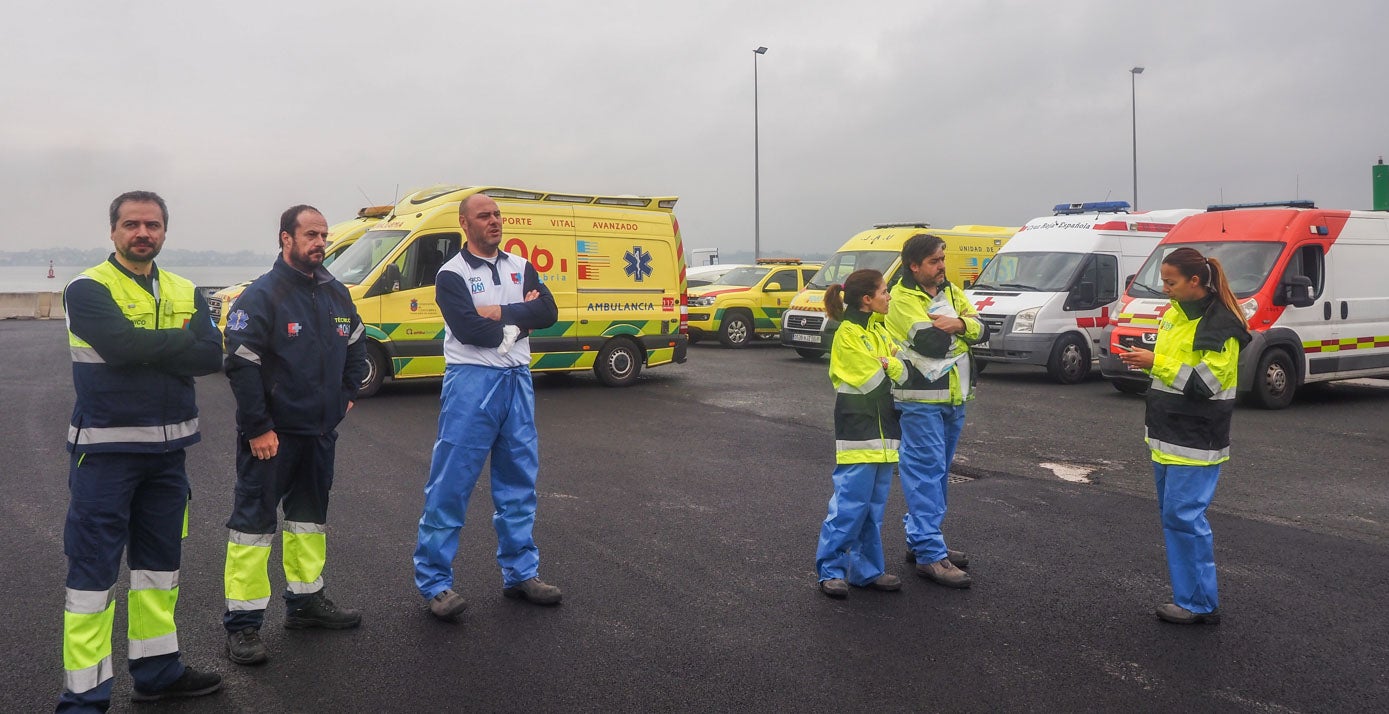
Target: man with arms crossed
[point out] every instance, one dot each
(490, 300)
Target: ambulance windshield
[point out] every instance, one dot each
(354, 264)
(840, 264)
(1030, 272)
(1246, 266)
(745, 277)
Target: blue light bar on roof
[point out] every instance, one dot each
(1302, 203)
(1070, 209)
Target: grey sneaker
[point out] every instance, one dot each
(942, 572)
(534, 590)
(191, 683)
(957, 558)
(1178, 615)
(447, 605)
(835, 588)
(245, 647)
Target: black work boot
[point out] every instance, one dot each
(319, 612)
(245, 646)
(191, 683)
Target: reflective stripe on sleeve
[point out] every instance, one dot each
(132, 434)
(244, 353)
(867, 388)
(357, 334)
(1184, 374)
(1212, 382)
(85, 355)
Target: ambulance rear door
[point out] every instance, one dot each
(1356, 302)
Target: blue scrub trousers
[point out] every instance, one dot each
(1183, 494)
(132, 503)
(851, 539)
(929, 435)
(485, 411)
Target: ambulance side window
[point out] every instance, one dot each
(421, 261)
(1108, 279)
(1308, 262)
(807, 274)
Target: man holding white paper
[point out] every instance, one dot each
(935, 324)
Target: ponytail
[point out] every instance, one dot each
(1221, 287)
(859, 285)
(834, 301)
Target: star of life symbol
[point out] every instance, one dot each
(237, 320)
(638, 263)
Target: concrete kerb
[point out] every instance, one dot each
(31, 306)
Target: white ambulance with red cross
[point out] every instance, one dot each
(1049, 293)
(1312, 285)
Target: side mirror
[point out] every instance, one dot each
(1296, 290)
(1129, 281)
(389, 282)
(968, 284)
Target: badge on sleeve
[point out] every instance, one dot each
(237, 320)
(293, 329)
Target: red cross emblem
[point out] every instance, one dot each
(983, 303)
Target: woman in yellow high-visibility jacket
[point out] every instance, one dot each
(862, 365)
(1194, 366)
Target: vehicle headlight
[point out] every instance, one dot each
(1024, 321)
(701, 301)
(1249, 307)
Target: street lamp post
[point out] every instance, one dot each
(1133, 96)
(756, 173)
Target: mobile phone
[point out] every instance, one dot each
(1124, 348)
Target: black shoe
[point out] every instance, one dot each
(245, 647)
(534, 590)
(320, 612)
(191, 683)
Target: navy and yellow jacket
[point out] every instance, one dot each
(865, 419)
(295, 353)
(136, 344)
(909, 323)
(1192, 395)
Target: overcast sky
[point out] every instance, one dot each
(947, 112)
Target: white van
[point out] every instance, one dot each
(1050, 291)
(1311, 283)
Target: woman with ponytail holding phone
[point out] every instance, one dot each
(1194, 366)
(862, 370)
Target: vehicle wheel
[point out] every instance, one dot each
(1275, 380)
(1070, 360)
(812, 355)
(980, 365)
(619, 362)
(737, 330)
(1130, 386)
(378, 368)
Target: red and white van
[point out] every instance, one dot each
(1312, 285)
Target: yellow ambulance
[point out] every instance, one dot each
(968, 248)
(747, 301)
(615, 265)
(340, 235)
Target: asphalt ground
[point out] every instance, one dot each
(680, 516)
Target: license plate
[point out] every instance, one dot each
(798, 337)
